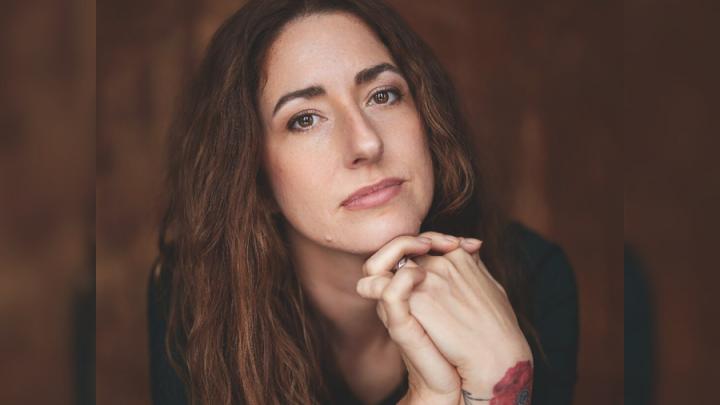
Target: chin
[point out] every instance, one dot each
(370, 236)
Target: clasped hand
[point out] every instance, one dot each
(452, 320)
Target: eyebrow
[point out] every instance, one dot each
(363, 76)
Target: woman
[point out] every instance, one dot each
(320, 241)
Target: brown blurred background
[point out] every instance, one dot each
(569, 100)
(672, 186)
(47, 210)
(540, 86)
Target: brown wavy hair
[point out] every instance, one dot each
(239, 328)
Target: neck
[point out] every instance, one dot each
(329, 278)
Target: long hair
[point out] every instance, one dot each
(239, 328)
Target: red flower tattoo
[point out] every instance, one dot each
(515, 388)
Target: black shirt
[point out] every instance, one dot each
(555, 318)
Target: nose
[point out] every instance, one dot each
(365, 145)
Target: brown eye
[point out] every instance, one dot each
(386, 96)
(381, 97)
(302, 122)
(305, 120)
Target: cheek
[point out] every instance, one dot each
(294, 180)
(413, 145)
(426, 175)
(287, 181)
(406, 126)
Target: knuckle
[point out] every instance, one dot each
(404, 331)
(403, 240)
(458, 254)
(434, 283)
(376, 289)
(360, 287)
(445, 262)
(443, 266)
(443, 272)
(390, 295)
(397, 288)
(368, 266)
(428, 263)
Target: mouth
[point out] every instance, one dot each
(374, 194)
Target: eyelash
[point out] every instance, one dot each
(294, 119)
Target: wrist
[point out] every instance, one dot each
(477, 389)
(485, 371)
(514, 383)
(415, 397)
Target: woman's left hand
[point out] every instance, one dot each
(468, 316)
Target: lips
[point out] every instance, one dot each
(388, 182)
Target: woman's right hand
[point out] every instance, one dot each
(432, 380)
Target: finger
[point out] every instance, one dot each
(385, 259)
(441, 242)
(396, 295)
(445, 243)
(371, 287)
(489, 275)
(439, 265)
(472, 246)
(470, 266)
(458, 263)
(419, 352)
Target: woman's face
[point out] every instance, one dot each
(338, 116)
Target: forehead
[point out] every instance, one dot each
(320, 49)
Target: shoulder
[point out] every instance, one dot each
(543, 260)
(533, 248)
(552, 287)
(166, 385)
(553, 293)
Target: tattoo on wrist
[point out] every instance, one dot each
(515, 388)
(468, 398)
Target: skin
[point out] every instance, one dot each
(317, 151)
(352, 143)
(452, 304)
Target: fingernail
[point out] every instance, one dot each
(472, 242)
(424, 239)
(450, 238)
